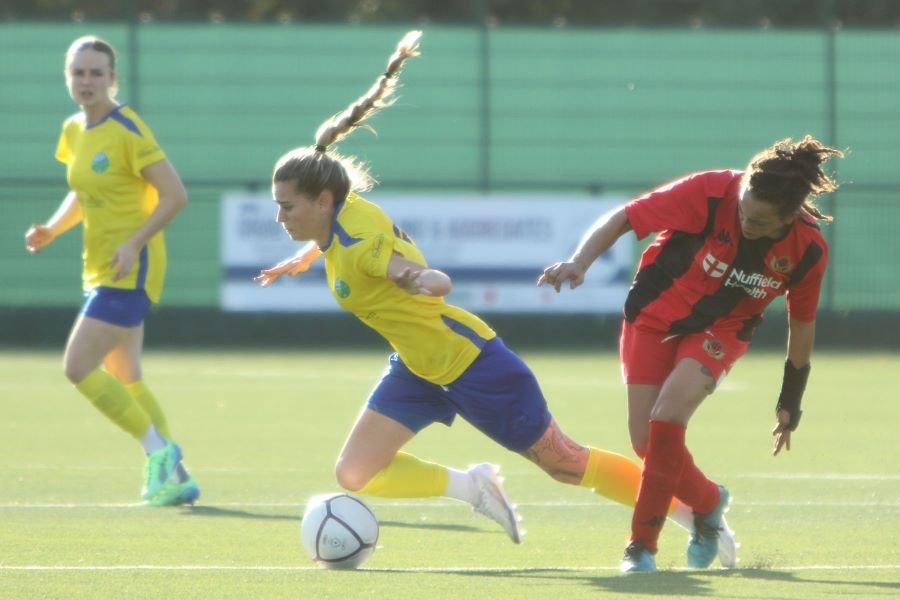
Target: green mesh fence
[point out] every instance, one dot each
(616, 110)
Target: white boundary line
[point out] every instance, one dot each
(240, 470)
(820, 476)
(428, 503)
(519, 569)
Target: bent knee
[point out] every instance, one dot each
(350, 478)
(74, 372)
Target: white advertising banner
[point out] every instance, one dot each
(493, 247)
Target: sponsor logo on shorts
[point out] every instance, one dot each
(714, 348)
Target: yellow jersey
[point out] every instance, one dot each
(103, 167)
(436, 341)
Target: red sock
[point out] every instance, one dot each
(662, 470)
(694, 488)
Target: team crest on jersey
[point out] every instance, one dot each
(341, 288)
(714, 348)
(100, 162)
(713, 266)
(782, 264)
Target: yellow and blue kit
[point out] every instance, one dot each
(447, 361)
(103, 167)
(436, 340)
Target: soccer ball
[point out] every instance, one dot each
(338, 531)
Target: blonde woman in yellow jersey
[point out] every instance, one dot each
(124, 191)
(447, 361)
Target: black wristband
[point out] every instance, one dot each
(792, 387)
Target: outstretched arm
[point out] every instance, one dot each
(801, 335)
(598, 239)
(66, 216)
(299, 263)
(417, 279)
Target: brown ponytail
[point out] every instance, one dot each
(314, 167)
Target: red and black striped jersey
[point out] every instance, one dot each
(701, 272)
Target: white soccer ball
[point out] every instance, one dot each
(338, 531)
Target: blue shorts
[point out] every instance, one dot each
(126, 308)
(498, 394)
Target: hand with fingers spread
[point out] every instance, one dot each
(292, 266)
(557, 273)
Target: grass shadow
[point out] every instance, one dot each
(789, 576)
(423, 525)
(669, 583)
(207, 510)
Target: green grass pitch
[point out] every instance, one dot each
(261, 430)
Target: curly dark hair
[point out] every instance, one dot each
(789, 175)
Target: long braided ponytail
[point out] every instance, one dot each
(315, 168)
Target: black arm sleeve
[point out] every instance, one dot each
(792, 387)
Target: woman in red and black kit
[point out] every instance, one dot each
(729, 242)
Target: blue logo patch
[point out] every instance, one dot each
(100, 162)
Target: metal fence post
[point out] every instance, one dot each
(481, 14)
(830, 32)
(134, 89)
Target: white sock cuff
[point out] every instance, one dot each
(152, 440)
(460, 486)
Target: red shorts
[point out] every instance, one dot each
(648, 356)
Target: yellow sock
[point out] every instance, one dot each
(113, 400)
(142, 394)
(614, 476)
(408, 477)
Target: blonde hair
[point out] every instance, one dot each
(314, 167)
(789, 175)
(98, 44)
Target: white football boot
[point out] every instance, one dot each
(493, 502)
(727, 547)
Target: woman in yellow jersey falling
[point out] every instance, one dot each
(447, 361)
(124, 191)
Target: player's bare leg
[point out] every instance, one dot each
(371, 462)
